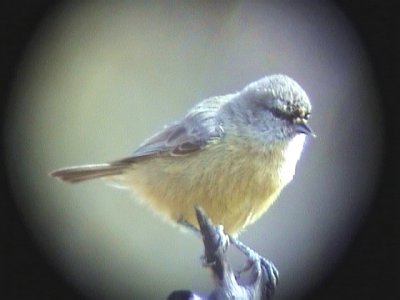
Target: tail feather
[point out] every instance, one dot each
(87, 172)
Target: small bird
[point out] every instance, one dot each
(231, 155)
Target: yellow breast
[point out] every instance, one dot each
(235, 183)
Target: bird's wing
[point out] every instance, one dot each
(176, 139)
(199, 128)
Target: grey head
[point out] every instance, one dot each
(272, 109)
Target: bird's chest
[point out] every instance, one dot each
(254, 177)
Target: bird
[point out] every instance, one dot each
(231, 155)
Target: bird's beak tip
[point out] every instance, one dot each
(305, 129)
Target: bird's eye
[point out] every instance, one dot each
(295, 116)
(280, 114)
(300, 114)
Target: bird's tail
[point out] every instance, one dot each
(87, 172)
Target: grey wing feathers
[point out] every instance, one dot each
(193, 133)
(173, 140)
(176, 139)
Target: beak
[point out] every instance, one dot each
(304, 128)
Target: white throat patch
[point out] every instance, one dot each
(291, 154)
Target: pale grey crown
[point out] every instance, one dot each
(279, 93)
(273, 108)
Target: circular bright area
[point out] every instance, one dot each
(100, 77)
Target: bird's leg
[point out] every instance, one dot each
(253, 257)
(260, 263)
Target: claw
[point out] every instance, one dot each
(263, 267)
(271, 274)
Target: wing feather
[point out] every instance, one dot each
(199, 127)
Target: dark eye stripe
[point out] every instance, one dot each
(286, 116)
(281, 115)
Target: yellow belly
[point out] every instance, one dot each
(234, 184)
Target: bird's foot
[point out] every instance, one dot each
(263, 268)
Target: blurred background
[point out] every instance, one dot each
(97, 78)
